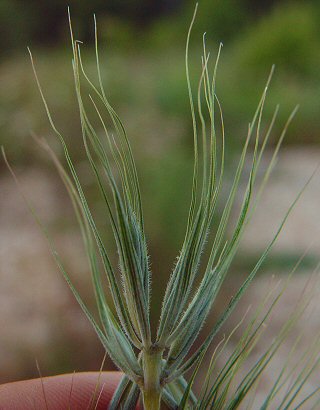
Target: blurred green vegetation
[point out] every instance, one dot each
(144, 65)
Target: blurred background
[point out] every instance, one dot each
(142, 45)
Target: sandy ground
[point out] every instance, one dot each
(37, 312)
(293, 169)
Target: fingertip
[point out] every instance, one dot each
(79, 390)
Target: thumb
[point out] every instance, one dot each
(81, 391)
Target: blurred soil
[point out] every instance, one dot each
(39, 319)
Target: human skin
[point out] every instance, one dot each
(79, 391)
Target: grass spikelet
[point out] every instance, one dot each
(155, 365)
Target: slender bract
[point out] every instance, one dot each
(154, 365)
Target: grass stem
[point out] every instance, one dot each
(151, 392)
